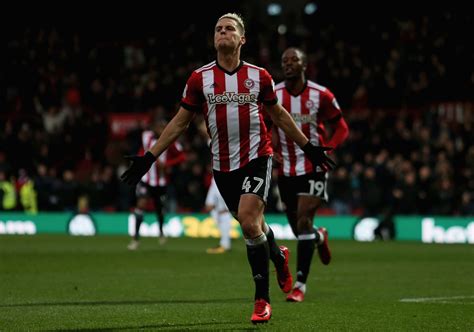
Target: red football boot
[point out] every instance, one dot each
(296, 295)
(285, 280)
(323, 248)
(262, 312)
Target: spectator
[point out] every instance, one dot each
(7, 193)
(398, 94)
(341, 197)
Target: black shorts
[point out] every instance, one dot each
(253, 178)
(290, 187)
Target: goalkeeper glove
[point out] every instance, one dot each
(140, 165)
(318, 157)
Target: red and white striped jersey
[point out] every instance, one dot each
(232, 106)
(309, 109)
(173, 155)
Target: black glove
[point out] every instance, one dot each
(140, 165)
(318, 157)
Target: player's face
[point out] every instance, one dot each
(227, 35)
(292, 63)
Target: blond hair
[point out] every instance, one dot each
(237, 18)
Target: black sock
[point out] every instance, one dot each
(276, 256)
(306, 245)
(258, 256)
(161, 221)
(138, 222)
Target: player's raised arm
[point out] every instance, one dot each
(172, 131)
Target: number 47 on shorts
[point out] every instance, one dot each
(247, 184)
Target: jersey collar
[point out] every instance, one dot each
(300, 92)
(230, 72)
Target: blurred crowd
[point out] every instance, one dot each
(405, 85)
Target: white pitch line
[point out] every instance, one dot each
(436, 299)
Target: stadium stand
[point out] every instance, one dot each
(406, 87)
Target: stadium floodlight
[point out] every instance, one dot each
(274, 9)
(310, 8)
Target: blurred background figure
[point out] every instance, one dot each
(7, 193)
(153, 184)
(27, 193)
(216, 206)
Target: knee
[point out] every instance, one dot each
(246, 215)
(249, 224)
(250, 231)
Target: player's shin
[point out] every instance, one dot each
(258, 257)
(305, 251)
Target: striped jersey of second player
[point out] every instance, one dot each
(309, 109)
(231, 103)
(173, 155)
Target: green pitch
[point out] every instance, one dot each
(94, 283)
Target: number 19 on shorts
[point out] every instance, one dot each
(317, 188)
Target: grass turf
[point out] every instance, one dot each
(55, 282)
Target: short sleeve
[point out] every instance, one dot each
(267, 89)
(193, 97)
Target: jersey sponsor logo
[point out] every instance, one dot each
(232, 97)
(304, 118)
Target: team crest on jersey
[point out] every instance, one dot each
(249, 83)
(310, 105)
